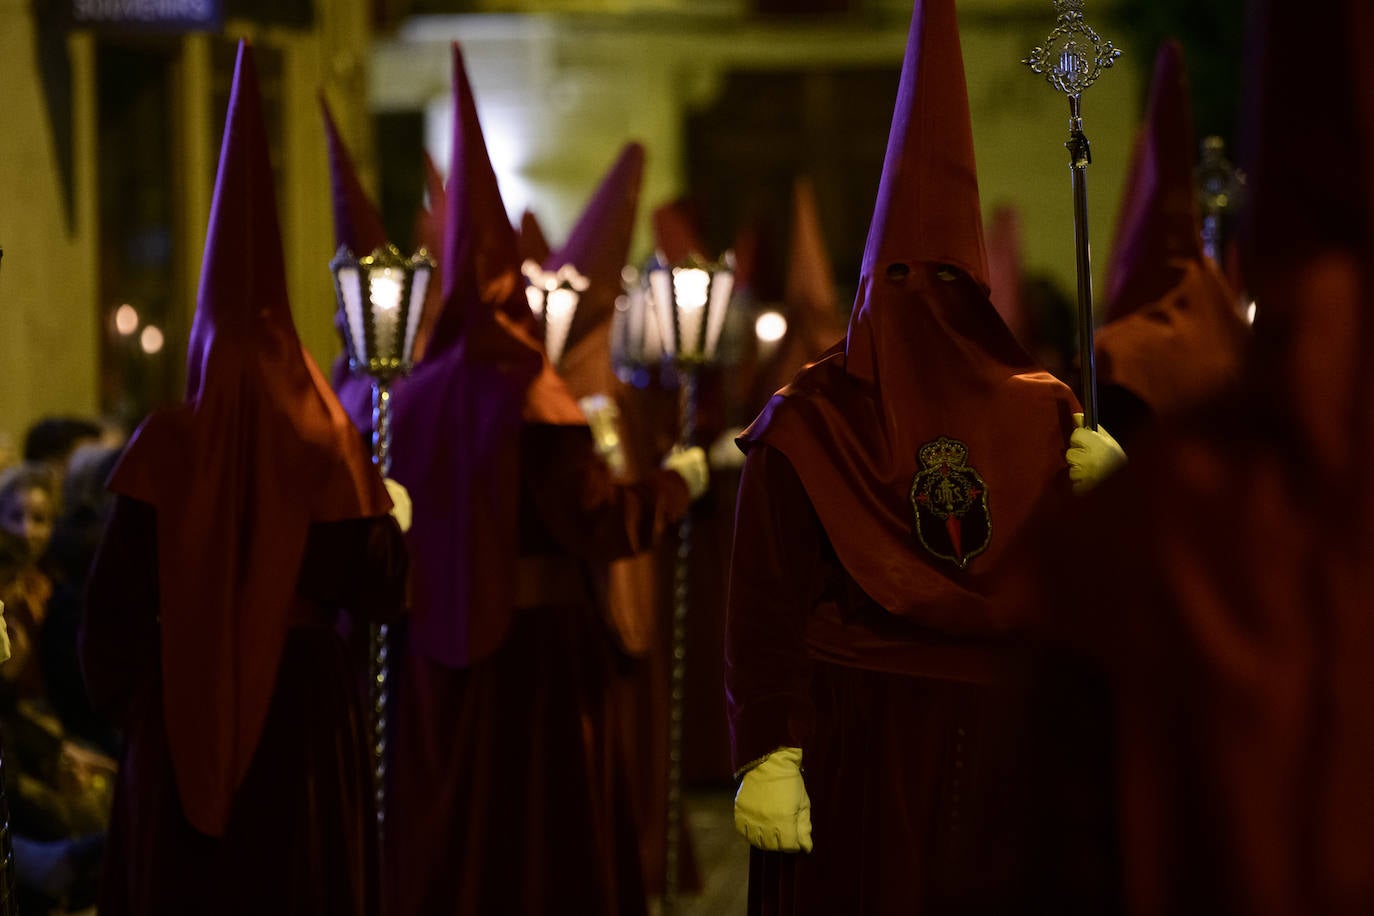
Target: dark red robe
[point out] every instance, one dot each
(301, 834)
(508, 789)
(908, 736)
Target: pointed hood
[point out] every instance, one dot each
(929, 438)
(429, 234)
(481, 256)
(928, 211)
(357, 224)
(759, 268)
(675, 232)
(358, 227)
(598, 247)
(259, 451)
(811, 302)
(1175, 336)
(457, 418)
(534, 245)
(810, 291)
(1004, 272)
(1158, 230)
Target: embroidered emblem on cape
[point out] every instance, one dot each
(951, 503)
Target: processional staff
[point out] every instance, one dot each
(1071, 60)
(381, 297)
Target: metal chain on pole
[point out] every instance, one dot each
(681, 595)
(380, 669)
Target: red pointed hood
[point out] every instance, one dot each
(1175, 337)
(259, 451)
(930, 397)
(534, 245)
(810, 293)
(1004, 272)
(357, 223)
(675, 232)
(598, 247)
(811, 302)
(1158, 229)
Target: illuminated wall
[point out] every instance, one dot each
(53, 315)
(47, 281)
(558, 95)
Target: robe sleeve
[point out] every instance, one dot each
(776, 581)
(118, 640)
(357, 566)
(588, 513)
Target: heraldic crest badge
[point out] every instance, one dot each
(951, 503)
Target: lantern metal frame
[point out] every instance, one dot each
(383, 350)
(636, 338)
(540, 287)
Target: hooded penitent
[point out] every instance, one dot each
(1237, 549)
(599, 247)
(237, 474)
(927, 439)
(811, 303)
(457, 418)
(1174, 335)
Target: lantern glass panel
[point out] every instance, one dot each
(419, 289)
(661, 299)
(722, 285)
(385, 289)
(351, 292)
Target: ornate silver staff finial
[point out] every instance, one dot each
(1071, 60)
(1073, 56)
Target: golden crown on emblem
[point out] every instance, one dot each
(944, 453)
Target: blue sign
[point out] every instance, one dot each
(183, 15)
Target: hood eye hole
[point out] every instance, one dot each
(947, 273)
(898, 272)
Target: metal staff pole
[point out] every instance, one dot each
(379, 662)
(381, 298)
(1071, 60)
(687, 379)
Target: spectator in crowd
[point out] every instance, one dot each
(52, 440)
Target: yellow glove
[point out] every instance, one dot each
(5, 650)
(772, 809)
(1093, 456)
(401, 509)
(690, 464)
